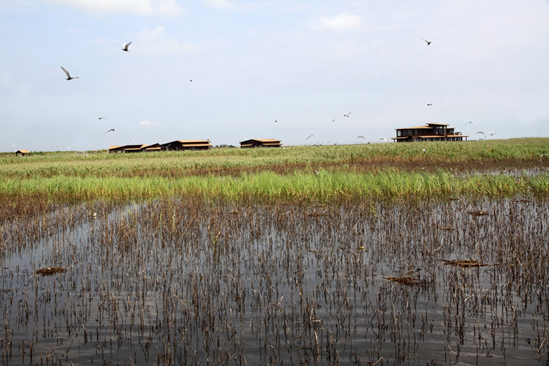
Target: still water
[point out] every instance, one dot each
(188, 282)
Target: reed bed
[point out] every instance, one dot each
(453, 156)
(197, 281)
(271, 187)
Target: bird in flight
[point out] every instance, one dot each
(429, 104)
(102, 118)
(346, 115)
(482, 133)
(311, 135)
(492, 133)
(334, 120)
(69, 77)
(125, 46)
(470, 122)
(428, 42)
(276, 121)
(360, 137)
(383, 139)
(112, 130)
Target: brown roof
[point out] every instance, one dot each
(193, 141)
(197, 145)
(261, 140)
(23, 151)
(429, 125)
(115, 147)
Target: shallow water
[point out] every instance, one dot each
(176, 282)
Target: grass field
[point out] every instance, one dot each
(312, 173)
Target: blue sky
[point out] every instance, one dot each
(301, 63)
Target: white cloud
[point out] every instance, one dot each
(339, 22)
(218, 3)
(140, 7)
(149, 123)
(155, 41)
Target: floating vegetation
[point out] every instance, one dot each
(48, 271)
(447, 228)
(465, 263)
(408, 280)
(478, 213)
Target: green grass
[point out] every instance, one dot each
(394, 171)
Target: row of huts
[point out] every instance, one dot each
(182, 145)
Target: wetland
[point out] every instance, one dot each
(306, 270)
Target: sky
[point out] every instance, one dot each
(281, 69)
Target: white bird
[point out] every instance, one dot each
(383, 139)
(360, 137)
(112, 130)
(429, 104)
(482, 133)
(492, 133)
(334, 120)
(311, 135)
(276, 121)
(346, 115)
(13, 143)
(125, 46)
(131, 138)
(428, 42)
(69, 77)
(102, 118)
(470, 122)
(424, 151)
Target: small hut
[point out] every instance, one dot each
(252, 143)
(180, 145)
(22, 152)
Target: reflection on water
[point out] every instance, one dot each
(188, 282)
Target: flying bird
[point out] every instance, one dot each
(125, 46)
(492, 133)
(334, 120)
(112, 130)
(346, 115)
(276, 121)
(470, 122)
(311, 135)
(429, 104)
(69, 77)
(482, 133)
(102, 118)
(428, 42)
(360, 137)
(383, 139)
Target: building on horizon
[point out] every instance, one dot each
(253, 143)
(429, 132)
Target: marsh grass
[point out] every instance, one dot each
(498, 168)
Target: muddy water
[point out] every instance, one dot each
(185, 282)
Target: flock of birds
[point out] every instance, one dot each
(125, 47)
